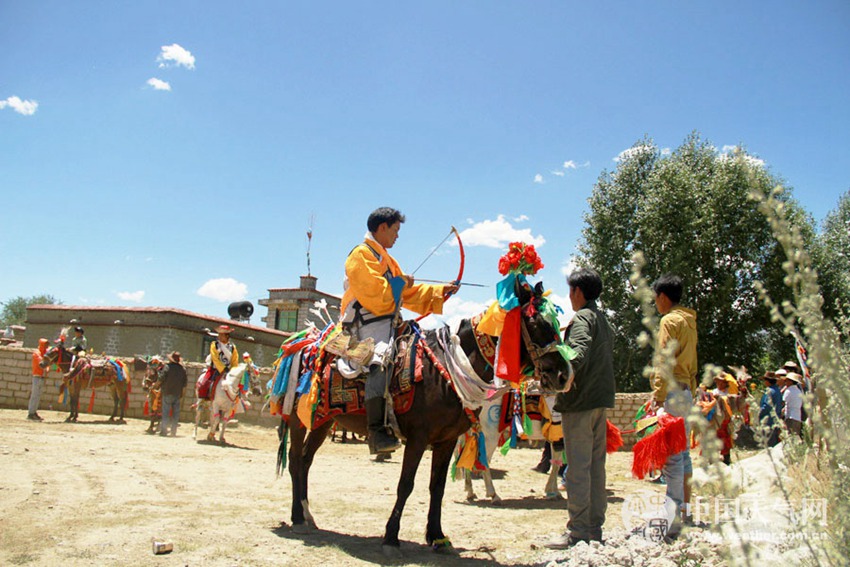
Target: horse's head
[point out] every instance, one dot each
(542, 343)
(57, 355)
(153, 370)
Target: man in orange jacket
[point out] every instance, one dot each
(37, 380)
(375, 290)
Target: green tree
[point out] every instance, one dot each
(831, 258)
(690, 213)
(15, 310)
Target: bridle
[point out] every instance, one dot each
(536, 352)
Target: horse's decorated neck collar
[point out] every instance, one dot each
(486, 344)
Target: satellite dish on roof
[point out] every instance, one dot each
(240, 311)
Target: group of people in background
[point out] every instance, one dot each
(782, 403)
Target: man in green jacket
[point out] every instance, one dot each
(583, 410)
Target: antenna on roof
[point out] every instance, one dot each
(309, 240)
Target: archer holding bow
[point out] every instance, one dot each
(375, 291)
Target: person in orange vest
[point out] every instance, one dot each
(37, 380)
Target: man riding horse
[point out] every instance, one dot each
(376, 289)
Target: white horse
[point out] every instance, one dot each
(490, 418)
(229, 399)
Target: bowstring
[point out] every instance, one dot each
(413, 273)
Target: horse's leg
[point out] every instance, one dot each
(75, 402)
(198, 403)
(113, 389)
(223, 427)
(214, 415)
(467, 484)
(441, 457)
(490, 487)
(299, 470)
(122, 400)
(552, 492)
(413, 451)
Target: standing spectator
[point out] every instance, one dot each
(770, 408)
(37, 380)
(675, 390)
(583, 410)
(172, 385)
(792, 403)
(721, 393)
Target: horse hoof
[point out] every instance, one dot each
(496, 501)
(443, 546)
(68, 420)
(391, 551)
(554, 496)
(121, 422)
(111, 419)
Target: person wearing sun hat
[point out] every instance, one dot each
(223, 356)
(792, 401)
(173, 383)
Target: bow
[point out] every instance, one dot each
(459, 279)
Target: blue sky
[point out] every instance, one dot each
(150, 151)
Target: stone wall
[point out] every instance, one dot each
(625, 408)
(16, 384)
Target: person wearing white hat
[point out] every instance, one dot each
(792, 397)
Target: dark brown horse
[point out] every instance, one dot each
(86, 371)
(436, 419)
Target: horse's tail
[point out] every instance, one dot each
(283, 436)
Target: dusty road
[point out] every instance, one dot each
(94, 493)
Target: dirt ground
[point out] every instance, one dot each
(95, 493)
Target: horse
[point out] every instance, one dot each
(153, 368)
(491, 420)
(228, 398)
(436, 417)
(95, 372)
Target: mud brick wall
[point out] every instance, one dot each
(16, 384)
(625, 408)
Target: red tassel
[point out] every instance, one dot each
(651, 452)
(613, 438)
(146, 411)
(91, 402)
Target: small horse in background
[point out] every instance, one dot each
(228, 398)
(153, 368)
(491, 420)
(95, 372)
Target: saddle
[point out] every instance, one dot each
(330, 393)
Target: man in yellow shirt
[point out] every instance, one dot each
(375, 291)
(674, 387)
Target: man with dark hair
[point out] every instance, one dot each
(172, 385)
(583, 410)
(375, 291)
(674, 383)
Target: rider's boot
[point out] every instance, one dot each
(381, 438)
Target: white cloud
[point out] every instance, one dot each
(734, 152)
(453, 311)
(564, 303)
(159, 84)
(25, 107)
(175, 55)
(498, 233)
(134, 296)
(558, 173)
(538, 178)
(666, 151)
(570, 164)
(223, 289)
(633, 152)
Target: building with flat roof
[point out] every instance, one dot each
(147, 331)
(289, 308)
